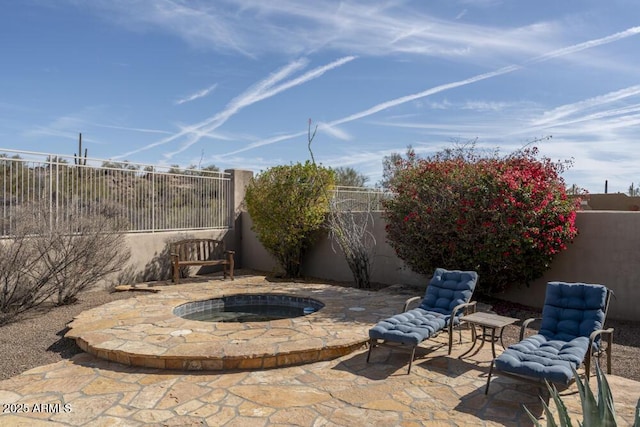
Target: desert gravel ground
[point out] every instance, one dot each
(38, 338)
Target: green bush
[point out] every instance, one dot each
(504, 217)
(288, 206)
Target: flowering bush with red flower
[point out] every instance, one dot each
(504, 217)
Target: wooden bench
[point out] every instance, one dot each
(203, 252)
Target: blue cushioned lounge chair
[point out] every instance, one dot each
(446, 299)
(571, 330)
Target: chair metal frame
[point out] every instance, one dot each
(591, 350)
(468, 307)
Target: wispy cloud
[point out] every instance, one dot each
(461, 14)
(585, 45)
(264, 89)
(266, 141)
(234, 106)
(437, 89)
(567, 110)
(444, 87)
(126, 128)
(334, 131)
(199, 94)
(380, 107)
(600, 122)
(505, 70)
(248, 98)
(390, 28)
(48, 131)
(252, 28)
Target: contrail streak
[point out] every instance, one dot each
(437, 89)
(261, 91)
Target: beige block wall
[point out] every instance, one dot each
(149, 251)
(606, 251)
(613, 202)
(150, 260)
(323, 262)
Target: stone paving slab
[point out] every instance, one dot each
(347, 391)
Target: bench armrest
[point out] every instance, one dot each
(409, 301)
(525, 324)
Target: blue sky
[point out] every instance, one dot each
(234, 82)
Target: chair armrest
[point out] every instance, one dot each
(409, 301)
(466, 306)
(230, 252)
(592, 337)
(525, 324)
(595, 334)
(457, 308)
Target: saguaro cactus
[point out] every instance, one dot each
(77, 158)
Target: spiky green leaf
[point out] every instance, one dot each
(563, 413)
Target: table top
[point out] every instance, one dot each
(488, 319)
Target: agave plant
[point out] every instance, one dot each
(595, 412)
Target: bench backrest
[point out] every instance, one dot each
(198, 249)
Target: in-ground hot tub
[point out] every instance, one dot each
(145, 331)
(248, 308)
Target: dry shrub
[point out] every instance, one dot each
(58, 257)
(350, 229)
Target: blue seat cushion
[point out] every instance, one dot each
(411, 327)
(543, 358)
(446, 290)
(571, 312)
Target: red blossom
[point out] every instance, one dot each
(519, 202)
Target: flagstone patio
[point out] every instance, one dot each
(344, 391)
(144, 331)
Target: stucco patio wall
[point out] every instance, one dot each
(150, 255)
(606, 251)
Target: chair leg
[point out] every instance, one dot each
(450, 331)
(371, 345)
(609, 342)
(413, 355)
(486, 390)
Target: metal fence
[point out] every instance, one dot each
(150, 198)
(360, 199)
